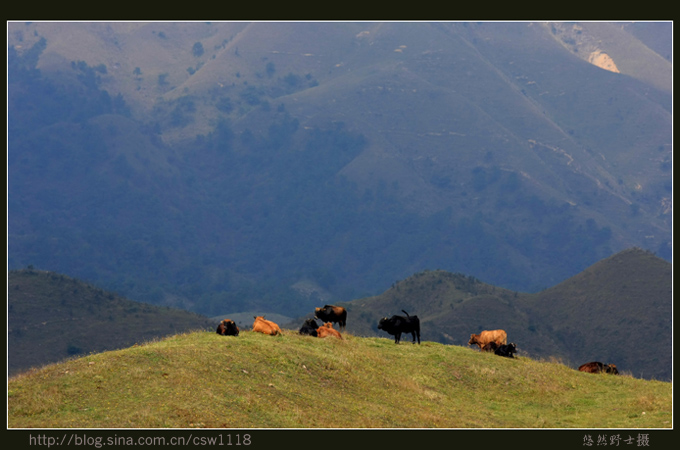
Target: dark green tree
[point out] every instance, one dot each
(197, 49)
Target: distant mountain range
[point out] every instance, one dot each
(617, 311)
(216, 166)
(52, 317)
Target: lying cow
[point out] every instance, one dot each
(500, 337)
(309, 328)
(396, 325)
(598, 367)
(331, 313)
(227, 328)
(327, 330)
(262, 325)
(507, 350)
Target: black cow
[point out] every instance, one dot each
(227, 328)
(309, 327)
(396, 325)
(506, 350)
(331, 313)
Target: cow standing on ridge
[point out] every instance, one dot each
(500, 337)
(331, 313)
(396, 325)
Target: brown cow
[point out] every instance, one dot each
(262, 325)
(227, 328)
(332, 313)
(598, 367)
(327, 330)
(500, 337)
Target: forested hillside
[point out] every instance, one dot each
(212, 166)
(53, 317)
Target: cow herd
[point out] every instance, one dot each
(495, 341)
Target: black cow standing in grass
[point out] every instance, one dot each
(396, 325)
(309, 328)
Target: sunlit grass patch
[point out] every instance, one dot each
(204, 380)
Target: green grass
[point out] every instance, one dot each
(201, 379)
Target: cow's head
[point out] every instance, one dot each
(611, 368)
(473, 339)
(383, 322)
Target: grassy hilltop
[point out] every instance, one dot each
(200, 379)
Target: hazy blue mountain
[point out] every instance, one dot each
(214, 165)
(605, 313)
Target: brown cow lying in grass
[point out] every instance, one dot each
(262, 325)
(598, 367)
(327, 330)
(500, 337)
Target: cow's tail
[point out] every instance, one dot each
(405, 313)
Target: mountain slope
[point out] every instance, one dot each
(52, 317)
(291, 381)
(616, 311)
(215, 165)
(619, 309)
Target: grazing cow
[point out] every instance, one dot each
(331, 313)
(396, 325)
(598, 367)
(227, 328)
(262, 325)
(490, 347)
(309, 327)
(500, 337)
(506, 350)
(327, 330)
